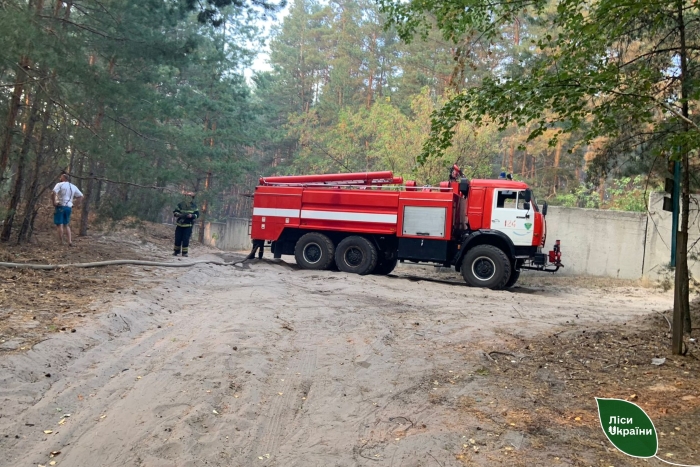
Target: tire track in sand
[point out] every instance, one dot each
(281, 418)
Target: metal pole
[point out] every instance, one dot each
(676, 203)
(677, 328)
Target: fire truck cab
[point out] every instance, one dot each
(365, 223)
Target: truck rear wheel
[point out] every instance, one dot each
(385, 266)
(514, 276)
(356, 254)
(314, 251)
(486, 266)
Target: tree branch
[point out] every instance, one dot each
(141, 135)
(106, 180)
(660, 104)
(85, 28)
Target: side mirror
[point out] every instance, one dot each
(528, 196)
(544, 208)
(464, 187)
(526, 206)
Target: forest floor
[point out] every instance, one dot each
(265, 364)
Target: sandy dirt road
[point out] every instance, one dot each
(264, 364)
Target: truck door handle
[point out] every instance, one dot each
(526, 216)
(424, 234)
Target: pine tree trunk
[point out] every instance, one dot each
(98, 190)
(205, 206)
(32, 194)
(512, 156)
(370, 86)
(79, 171)
(71, 161)
(369, 90)
(557, 158)
(11, 121)
(682, 278)
(15, 100)
(90, 162)
(87, 196)
(19, 178)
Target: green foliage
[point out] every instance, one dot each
(583, 196)
(383, 138)
(214, 11)
(629, 194)
(609, 69)
(622, 194)
(141, 94)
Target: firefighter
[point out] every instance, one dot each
(186, 213)
(455, 173)
(259, 246)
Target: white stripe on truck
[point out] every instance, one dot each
(273, 212)
(349, 216)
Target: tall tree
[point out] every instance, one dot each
(627, 71)
(139, 94)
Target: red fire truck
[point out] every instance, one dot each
(365, 223)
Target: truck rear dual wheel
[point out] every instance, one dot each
(486, 266)
(314, 251)
(385, 266)
(357, 255)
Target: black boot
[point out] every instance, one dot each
(252, 253)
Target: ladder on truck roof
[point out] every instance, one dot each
(348, 179)
(351, 180)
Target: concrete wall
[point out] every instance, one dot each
(625, 245)
(231, 235)
(658, 246)
(598, 242)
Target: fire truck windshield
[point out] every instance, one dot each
(512, 199)
(533, 201)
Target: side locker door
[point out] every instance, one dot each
(510, 216)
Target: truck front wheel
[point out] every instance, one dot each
(314, 251)
(514, 276)
(486, 266)
(356, 254)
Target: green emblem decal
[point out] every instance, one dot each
(628, 427)
(528, 225)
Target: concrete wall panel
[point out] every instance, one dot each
(231, 235)
(658, 247)
(598, 242)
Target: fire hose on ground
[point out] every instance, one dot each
(118, 262)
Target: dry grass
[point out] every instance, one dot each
(36, 303)
(547, 389)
